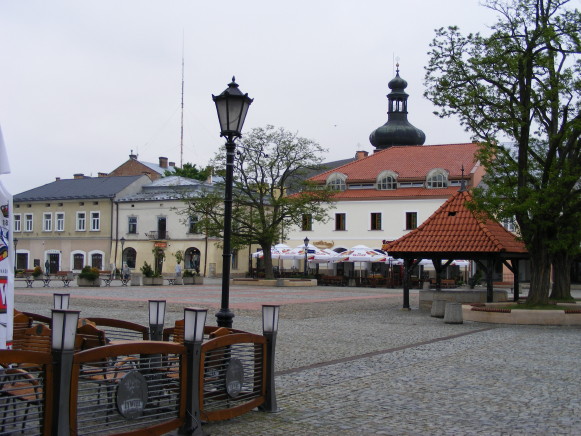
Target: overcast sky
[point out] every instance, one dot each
(82, 83)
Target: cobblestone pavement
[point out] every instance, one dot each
(351, 362)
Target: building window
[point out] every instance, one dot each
(337, 185)
(28, 222)
(387, 182)
(78, 261)
(340, 221)
(97, 261)
(193, 225)
(17, 223)
(60, 222)
(307, 224)
(21, 260)
(411, 220)
(81, 221)
(47, 222)
(437, 179)
(376, 221)
(130, 257)
(95, 221)
(508, 224)
(132, 225)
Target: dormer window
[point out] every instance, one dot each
(387, 180)
(336, 182)
(437, 178)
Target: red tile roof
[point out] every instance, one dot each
(455, 229)
(409, 162)
(392, 194)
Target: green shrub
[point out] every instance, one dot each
(89, 273)
(147, 270)
(37, 272)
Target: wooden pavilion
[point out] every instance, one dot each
(453, 232)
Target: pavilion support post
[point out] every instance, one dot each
(489, 282)
(438, 267)
(406, 283)
(516, 280)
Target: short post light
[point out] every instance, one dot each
(61, 301)
(232, 106)
(64, 329)
(156, 319)
(269, 330)
(15, 242)
(306, 241)
(194, 322)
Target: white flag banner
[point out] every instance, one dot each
(7, 259)
(4, 165)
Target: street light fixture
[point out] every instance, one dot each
(232, 107)
(122, 240)
(306, 241)
(15, 242)
(156, 319)
(269, 330)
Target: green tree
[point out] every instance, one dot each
(189, 170)
(270, 193)
(518, 92)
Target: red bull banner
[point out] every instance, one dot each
(7, 256)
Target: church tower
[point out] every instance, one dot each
(397, 130)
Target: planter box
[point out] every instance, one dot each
(152, 281)
(193, 280)
(82, 282)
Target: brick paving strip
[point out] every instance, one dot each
(376, 353)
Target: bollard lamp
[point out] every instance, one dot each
(61, 301)
(64, 329)
(270, 318)
(194, 322)
(156, 319)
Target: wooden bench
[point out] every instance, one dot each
(107, 277)
(66, 276)
(448, 283)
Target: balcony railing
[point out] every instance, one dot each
(157, 235)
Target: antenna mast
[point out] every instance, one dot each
(182, 123)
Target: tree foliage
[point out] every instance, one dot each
(270, 191)
(189, 170)
(518, 91)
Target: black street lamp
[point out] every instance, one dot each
(15, 242)
(122, 240)
(232, 107)
(306, 241)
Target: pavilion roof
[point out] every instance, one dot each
(454, 231)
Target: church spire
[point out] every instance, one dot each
(397, 130)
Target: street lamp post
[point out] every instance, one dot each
(232, 107)
(306, 241)
(15, 242)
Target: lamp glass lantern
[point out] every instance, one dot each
(232, 107)
(194, 322)
(156, 312)
(61, 301)
(270, 318)
(64, 329)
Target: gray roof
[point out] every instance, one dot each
(155, 167)
(168, 188)
(88, 187)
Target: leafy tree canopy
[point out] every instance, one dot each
(518, 92)
(189, 170)
(270, 191)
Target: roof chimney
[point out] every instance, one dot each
(58, 179)
(172, 164)
(79, 176)
(102, 174)
(163, 162)
(133, 156)
(361, 154)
